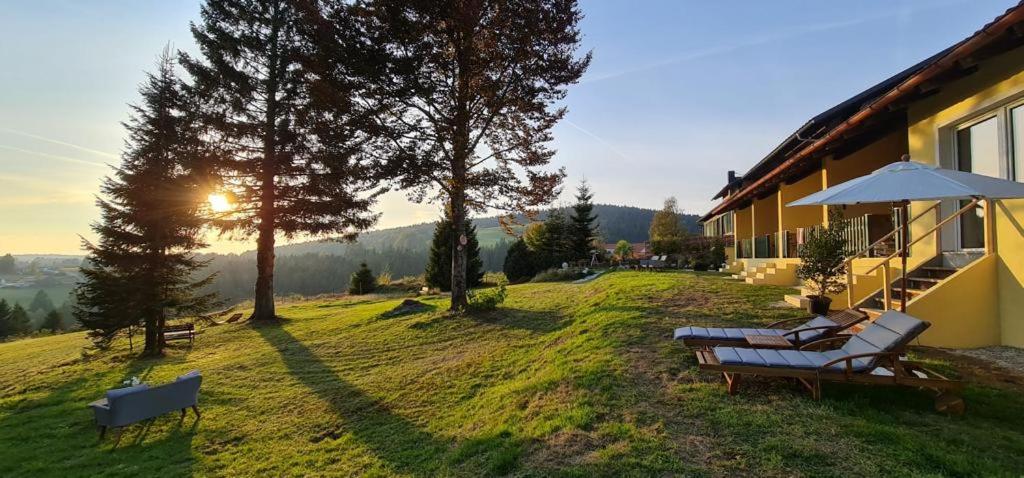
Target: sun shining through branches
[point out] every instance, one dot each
(219, 202)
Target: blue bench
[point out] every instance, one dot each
(124, 406)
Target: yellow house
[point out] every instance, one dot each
(962, 108)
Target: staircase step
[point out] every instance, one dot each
(797, 300)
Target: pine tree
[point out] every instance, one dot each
(286, 95)
(41, 302)
(439, 265)
(139, 272)
(583, 224)
(362, 281)
(5, 317)
(519, 263)
(18, 321)
(52, 321)
(555, 245)
(481, 84)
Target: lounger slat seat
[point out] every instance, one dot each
(873, 356)
(812, 329)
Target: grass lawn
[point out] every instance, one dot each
(564, 380)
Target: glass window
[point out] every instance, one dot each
(1017, 141)
(977, 151)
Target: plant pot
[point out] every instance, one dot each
(818, 304)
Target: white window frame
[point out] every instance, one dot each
(1005, 147)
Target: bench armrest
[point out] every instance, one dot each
(796, 333)
(786, 321)
(894, 357)
(820, 342)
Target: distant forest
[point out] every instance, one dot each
(319, 267)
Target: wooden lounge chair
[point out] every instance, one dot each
(810, 329)
(871, 357)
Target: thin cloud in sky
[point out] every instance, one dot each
(762, 40)
(53, 156)
(599, 139)
(61, 143)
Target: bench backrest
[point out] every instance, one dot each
(891, 332)
(179, 328)
(149, 402)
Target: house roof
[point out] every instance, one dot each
(878, 100)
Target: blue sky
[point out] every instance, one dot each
(679, 92)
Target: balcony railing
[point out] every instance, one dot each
(861, 233)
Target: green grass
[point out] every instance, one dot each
(564, 380)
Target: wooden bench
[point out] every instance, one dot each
(180, 332)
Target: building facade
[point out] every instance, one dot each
(962, 108)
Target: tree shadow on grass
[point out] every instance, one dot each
(540, 322)
(56, 435)
(393, 438)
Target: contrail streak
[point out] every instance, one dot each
(52, 156)
(61, 143)
(764, 39)
(599, 139)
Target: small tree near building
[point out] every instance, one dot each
(823, 262)
(623, 250)
(667, 234)
(363, 281)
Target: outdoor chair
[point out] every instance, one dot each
(872, 357)
(125, 406)
(810, 329)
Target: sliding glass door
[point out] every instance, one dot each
(977, 151)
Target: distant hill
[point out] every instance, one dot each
(616, 222)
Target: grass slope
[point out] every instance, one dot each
(565, 380)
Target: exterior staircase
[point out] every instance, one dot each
(766, 273)
(919, 280)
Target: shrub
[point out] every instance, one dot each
(362, 281)
(488, 299)
(823, 258)
(519, 262)
(559, 275)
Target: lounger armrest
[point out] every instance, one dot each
(818, 343)
(786, 321)
(796, 333)
(894, 357)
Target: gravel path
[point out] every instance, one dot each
(1010, 358)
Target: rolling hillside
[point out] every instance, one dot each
(617, 222)
(564, 380)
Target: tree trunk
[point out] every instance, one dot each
(151, 346)
(460, 157)
(459, 299)
(263, 294)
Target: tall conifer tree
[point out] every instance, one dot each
(140, 271)
(480, 82)
(286, 87)
(583, 224)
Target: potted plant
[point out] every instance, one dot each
(823, 263)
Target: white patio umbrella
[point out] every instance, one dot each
(904, 181)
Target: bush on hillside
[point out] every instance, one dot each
(363, 281)
(519, 265)
(488, 299)
(560, 275)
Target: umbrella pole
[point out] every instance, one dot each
(906, 240)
